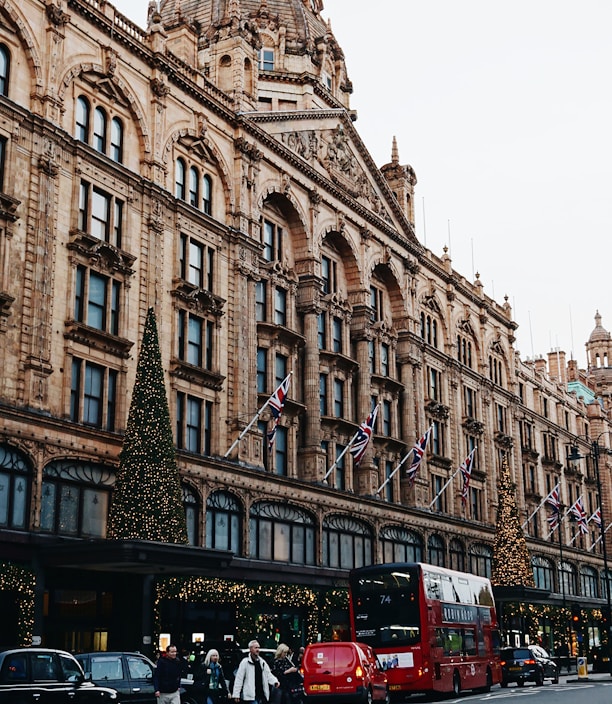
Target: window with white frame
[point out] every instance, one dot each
(223, 522)
(104, 131)
(194, 418)
(266, 59)
(100, 214)
(5, 64)
(196, 262)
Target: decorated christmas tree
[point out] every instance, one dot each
(511, 559)
(147, 502)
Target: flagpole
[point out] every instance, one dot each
(390, 477)
(437, 496)
(534, 513)
(256, 416)
(598, 539)
(341, 455)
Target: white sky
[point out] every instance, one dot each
(504, 110)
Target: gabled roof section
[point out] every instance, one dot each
(326, 142)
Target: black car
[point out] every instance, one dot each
(47, 676)
(131, 674)
(520, 665)
(550, 667)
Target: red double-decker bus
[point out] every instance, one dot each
(434, 629)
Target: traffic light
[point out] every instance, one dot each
(576, 616)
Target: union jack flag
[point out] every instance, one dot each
(466, 473)
(596, 517)
(277, 403)
(579, 515)
(417, 455)
(554, 501)
(362, 437)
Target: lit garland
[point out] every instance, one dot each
(511, 559)
(20, 580)
(247, 598)
(147, 501)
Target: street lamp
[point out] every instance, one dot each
(574, 455)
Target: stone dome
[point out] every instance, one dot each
(599, 334)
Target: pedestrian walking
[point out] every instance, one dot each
(167, 677)
(213, 680)
(291, 683)
(254, 680)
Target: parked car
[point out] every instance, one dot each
(600, 658)
(131, 674)
(47, 676)
(520, 665)
(343, 672)
(550, 667)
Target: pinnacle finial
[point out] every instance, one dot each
(394, 152)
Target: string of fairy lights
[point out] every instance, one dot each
(21, 581)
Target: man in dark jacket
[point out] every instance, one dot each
(167, 677)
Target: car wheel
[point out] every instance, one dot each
(456, 684)
(503, 684)
(520, 683)
(539, 680)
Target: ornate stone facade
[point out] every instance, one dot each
(209, 167)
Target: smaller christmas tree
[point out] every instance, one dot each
(147, 501)
(511, 559)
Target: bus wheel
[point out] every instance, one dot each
(456, 684)
(489, 684)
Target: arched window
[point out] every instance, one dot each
(75, 498)
(116, 140)
(5, 64)
(99, 130)
(15, 473)
(481, 559)
(207, 194)
(194, 187)
(602, 584)
(456, 555)
(588, 582)
(429, 329)
(192, 513)
(282, 533)
(347, 543)
(223, 522)
(543, 573)
(82, 119)
(435, 550)
(401, 545)
(179, 177)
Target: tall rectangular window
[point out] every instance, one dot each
(386, 418)
(280, 306)
(272, 242)
(329, 275)
(193, 425)
(469, 402)
(260, 301)
(280, 451)
(323, 394)
(262, 370)
(208, 427)
(280, 369)
(93, 394)
(96, 300)
(376, 303)
(340, 478)
(434, 384)
(2, 159)
(338, 398)
(321, 332)
(196, 263)
(100, 214)
(384, 359)
(337, 335)
(389, 485)
(371, 356)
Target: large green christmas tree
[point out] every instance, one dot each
(511, 559)
(147, 502)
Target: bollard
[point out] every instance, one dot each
(583, 670)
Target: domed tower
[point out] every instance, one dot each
(266, 54)
(599, 354)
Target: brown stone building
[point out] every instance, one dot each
(209, 167)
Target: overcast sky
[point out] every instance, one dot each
(504, 110)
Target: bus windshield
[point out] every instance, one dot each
(386, 608)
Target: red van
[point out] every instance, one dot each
(343, 672)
